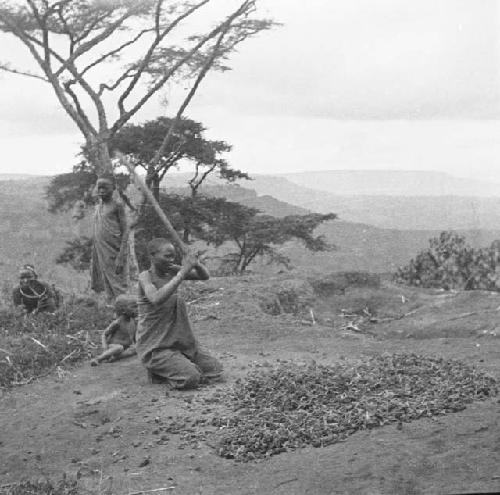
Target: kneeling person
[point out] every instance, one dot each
(118, 339)
(165, 341)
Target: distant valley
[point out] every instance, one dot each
(30, 233)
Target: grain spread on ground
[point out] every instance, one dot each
(294, 406)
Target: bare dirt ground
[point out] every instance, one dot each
(123, 435)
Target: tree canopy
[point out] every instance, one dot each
(140, 46)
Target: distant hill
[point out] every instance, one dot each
(392, 183)
(360, 246)
(4, 177)
(248, 197)
(414, 212)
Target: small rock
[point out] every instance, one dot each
(145, 462)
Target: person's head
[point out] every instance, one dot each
(161, 253)
(105, 186)
(27, 273)
(126, 305)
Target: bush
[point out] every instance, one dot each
(450, 263)
(77, 253)
(34, 345)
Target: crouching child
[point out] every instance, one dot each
(118, 339)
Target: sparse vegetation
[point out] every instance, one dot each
(34, 345)
(64, 486)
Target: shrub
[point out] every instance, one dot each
(450, 263)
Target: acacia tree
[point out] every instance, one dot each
(187, 142)
(256, 235)
(71, 42)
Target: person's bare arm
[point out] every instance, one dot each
(108, 332)
(122, 221)
(158, 296)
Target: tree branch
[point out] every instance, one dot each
(70, 110)
(158, 39)
(224, 26)
(115, 51)
(189, 96)
(7, 68)
(76, 102)
(85, 47)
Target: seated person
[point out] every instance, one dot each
(119, 338)
(34, 295)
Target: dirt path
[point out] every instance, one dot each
(118, 432)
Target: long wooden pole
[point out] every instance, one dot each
(149, 196)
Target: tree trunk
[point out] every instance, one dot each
(99, 155)
(153, 183)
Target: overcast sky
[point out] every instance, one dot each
(343, 84)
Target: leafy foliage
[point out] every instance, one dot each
(450, 263)
(64, 190)
(293, 406)
(218, 221)
(77, 253)
(257, 235)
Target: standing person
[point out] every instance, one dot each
(165, 341)
(119, 337)
(32, 294)
(109, 252)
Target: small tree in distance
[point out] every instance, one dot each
(255, 235)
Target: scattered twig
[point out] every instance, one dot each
(165, 488)
(464, 315)
(313, 320)
(40, 344)
(68, 356)
(284, 482)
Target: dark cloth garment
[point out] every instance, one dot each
(105, 251)
(40, 297)
(123, 332)
(182, 372)
(165, 341)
